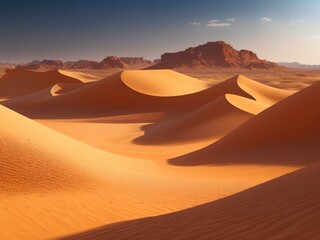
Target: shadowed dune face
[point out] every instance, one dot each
(83, 77)
(210, 121)
(21, 82)
(61, 88)
(285, 133)
(284, 208)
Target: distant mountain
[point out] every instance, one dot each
(111, 62)
(81, 64)
(107, 63)
(298, 65)
(135, 60)
(42, 65)
(213, 54)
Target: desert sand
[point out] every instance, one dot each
(157, 154)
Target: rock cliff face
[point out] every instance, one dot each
(213, 54)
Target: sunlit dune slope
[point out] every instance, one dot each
(261, 92)
(34, 157)
(287, 132)
(162, 83)
(83, 77)
(284, 208)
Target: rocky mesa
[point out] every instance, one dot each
(213, 54)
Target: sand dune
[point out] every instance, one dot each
(120, 93)
(261, 92)
(21, 82)
(83, 77)
(284, 208)
(210, 121)
(162, 83)
(284, 133)
(34, 157)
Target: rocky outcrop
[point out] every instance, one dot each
(213, 54)
(107, 63)
(83, 64)
(43, 65)
(111, 62)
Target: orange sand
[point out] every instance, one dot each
(151, 142)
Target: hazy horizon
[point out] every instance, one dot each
(279, 31)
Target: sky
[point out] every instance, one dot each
(277, 30)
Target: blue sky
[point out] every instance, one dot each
(277, 30)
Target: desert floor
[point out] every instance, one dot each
(160, 154)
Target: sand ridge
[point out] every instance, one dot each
(83, 77)
(114, 94)
(282, 133)
(18, 82)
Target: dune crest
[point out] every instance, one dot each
(261, 92)
(83, 77)
(149, 90)
(210, 121)
(161, 83)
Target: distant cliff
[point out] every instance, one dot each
(213, 54)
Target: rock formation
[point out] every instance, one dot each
(135, 60)
(213, 54)
(43, 65)
(111, 62)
